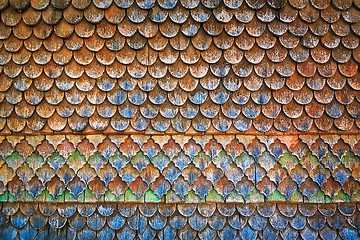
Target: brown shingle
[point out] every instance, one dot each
(202, 62)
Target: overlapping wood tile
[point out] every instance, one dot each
(170, 221)
(229, 168)
(179, 66)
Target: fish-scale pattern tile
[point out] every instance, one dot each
(179, 66)
(184, 221)
(178, 168)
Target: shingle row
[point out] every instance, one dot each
(182, 221)
(187, 170)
